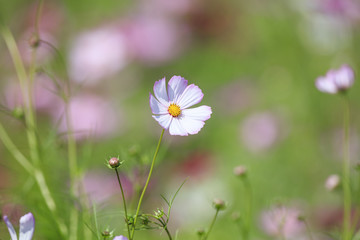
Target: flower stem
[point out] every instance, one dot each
(146, 184)
(346, 173)
(124, 201)
(248, 219)
(212, 224)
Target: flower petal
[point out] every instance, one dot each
(344, 77)
(191, 96)
(160, 91)
(201, 113)
(164, 120)
(156, 106)
(326, 84)
(121, 237)
(10, 228)
(176, 128)
(27, 227)
(176, 87)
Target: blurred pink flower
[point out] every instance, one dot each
(336, 80)
(155, 40)
(343, 8)
(100, 187)
(281, 221)
(44, 95)
(91, 116)
(332, 182)
(97, 54)
(260, 131)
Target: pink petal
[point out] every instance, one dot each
(10, 228)
(27, 226)
(191, 96)
(176, 87)
(344, 77)
(160, 91)
(156, 106)
(201, 113)
(176, 128)
(325, 84)
(164, 120)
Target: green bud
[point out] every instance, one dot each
(219, 204)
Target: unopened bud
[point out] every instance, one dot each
(332, 182)
(18, 112)
(105, 233)
(34, 41)
(240, 171)
(200, 232)
(219, 204)
(114, 162)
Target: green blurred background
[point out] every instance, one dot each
(255, 61)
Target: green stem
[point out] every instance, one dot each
(248, 217)
(164, 226)
(124, 202)
(146, 184)
(212, 224)
(346, 174)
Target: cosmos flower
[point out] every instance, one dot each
(170, 106)
(336, 80)
(282, 222)
(27, 226)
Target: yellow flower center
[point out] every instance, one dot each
(174, 110)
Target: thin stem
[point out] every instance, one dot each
(212, 224)
(164, 225)
(248, 219)
(146, 184)
(124, 201)
(346, 173)
(308, 229)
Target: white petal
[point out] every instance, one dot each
(156, 106)
(326, 84)
(191, 96)
(164, 120)
(11, 228)
(176, 87)
(344, 77)
(160, 91)
(27, 226)
(201, 113)
(176, 128)
(191, 126)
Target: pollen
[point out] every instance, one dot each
(174, 110)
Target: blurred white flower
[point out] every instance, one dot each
(27, 227)
(97, 54)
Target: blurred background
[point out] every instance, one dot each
(256, 62)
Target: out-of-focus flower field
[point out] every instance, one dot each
(256, 63)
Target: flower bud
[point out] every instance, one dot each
(219, 204)
(105, 233)
(200, 232)
(240, 171)
(34, 41)
(332, 182)
(114, 162)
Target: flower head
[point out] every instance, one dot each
(336, 80)
(121, 237)
(170, 106)
(27, 226)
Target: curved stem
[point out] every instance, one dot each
(212, 224)
(346, 173)
(146, 184)
(124, 202)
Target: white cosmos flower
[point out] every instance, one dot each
(170, 106)
(27, 226)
